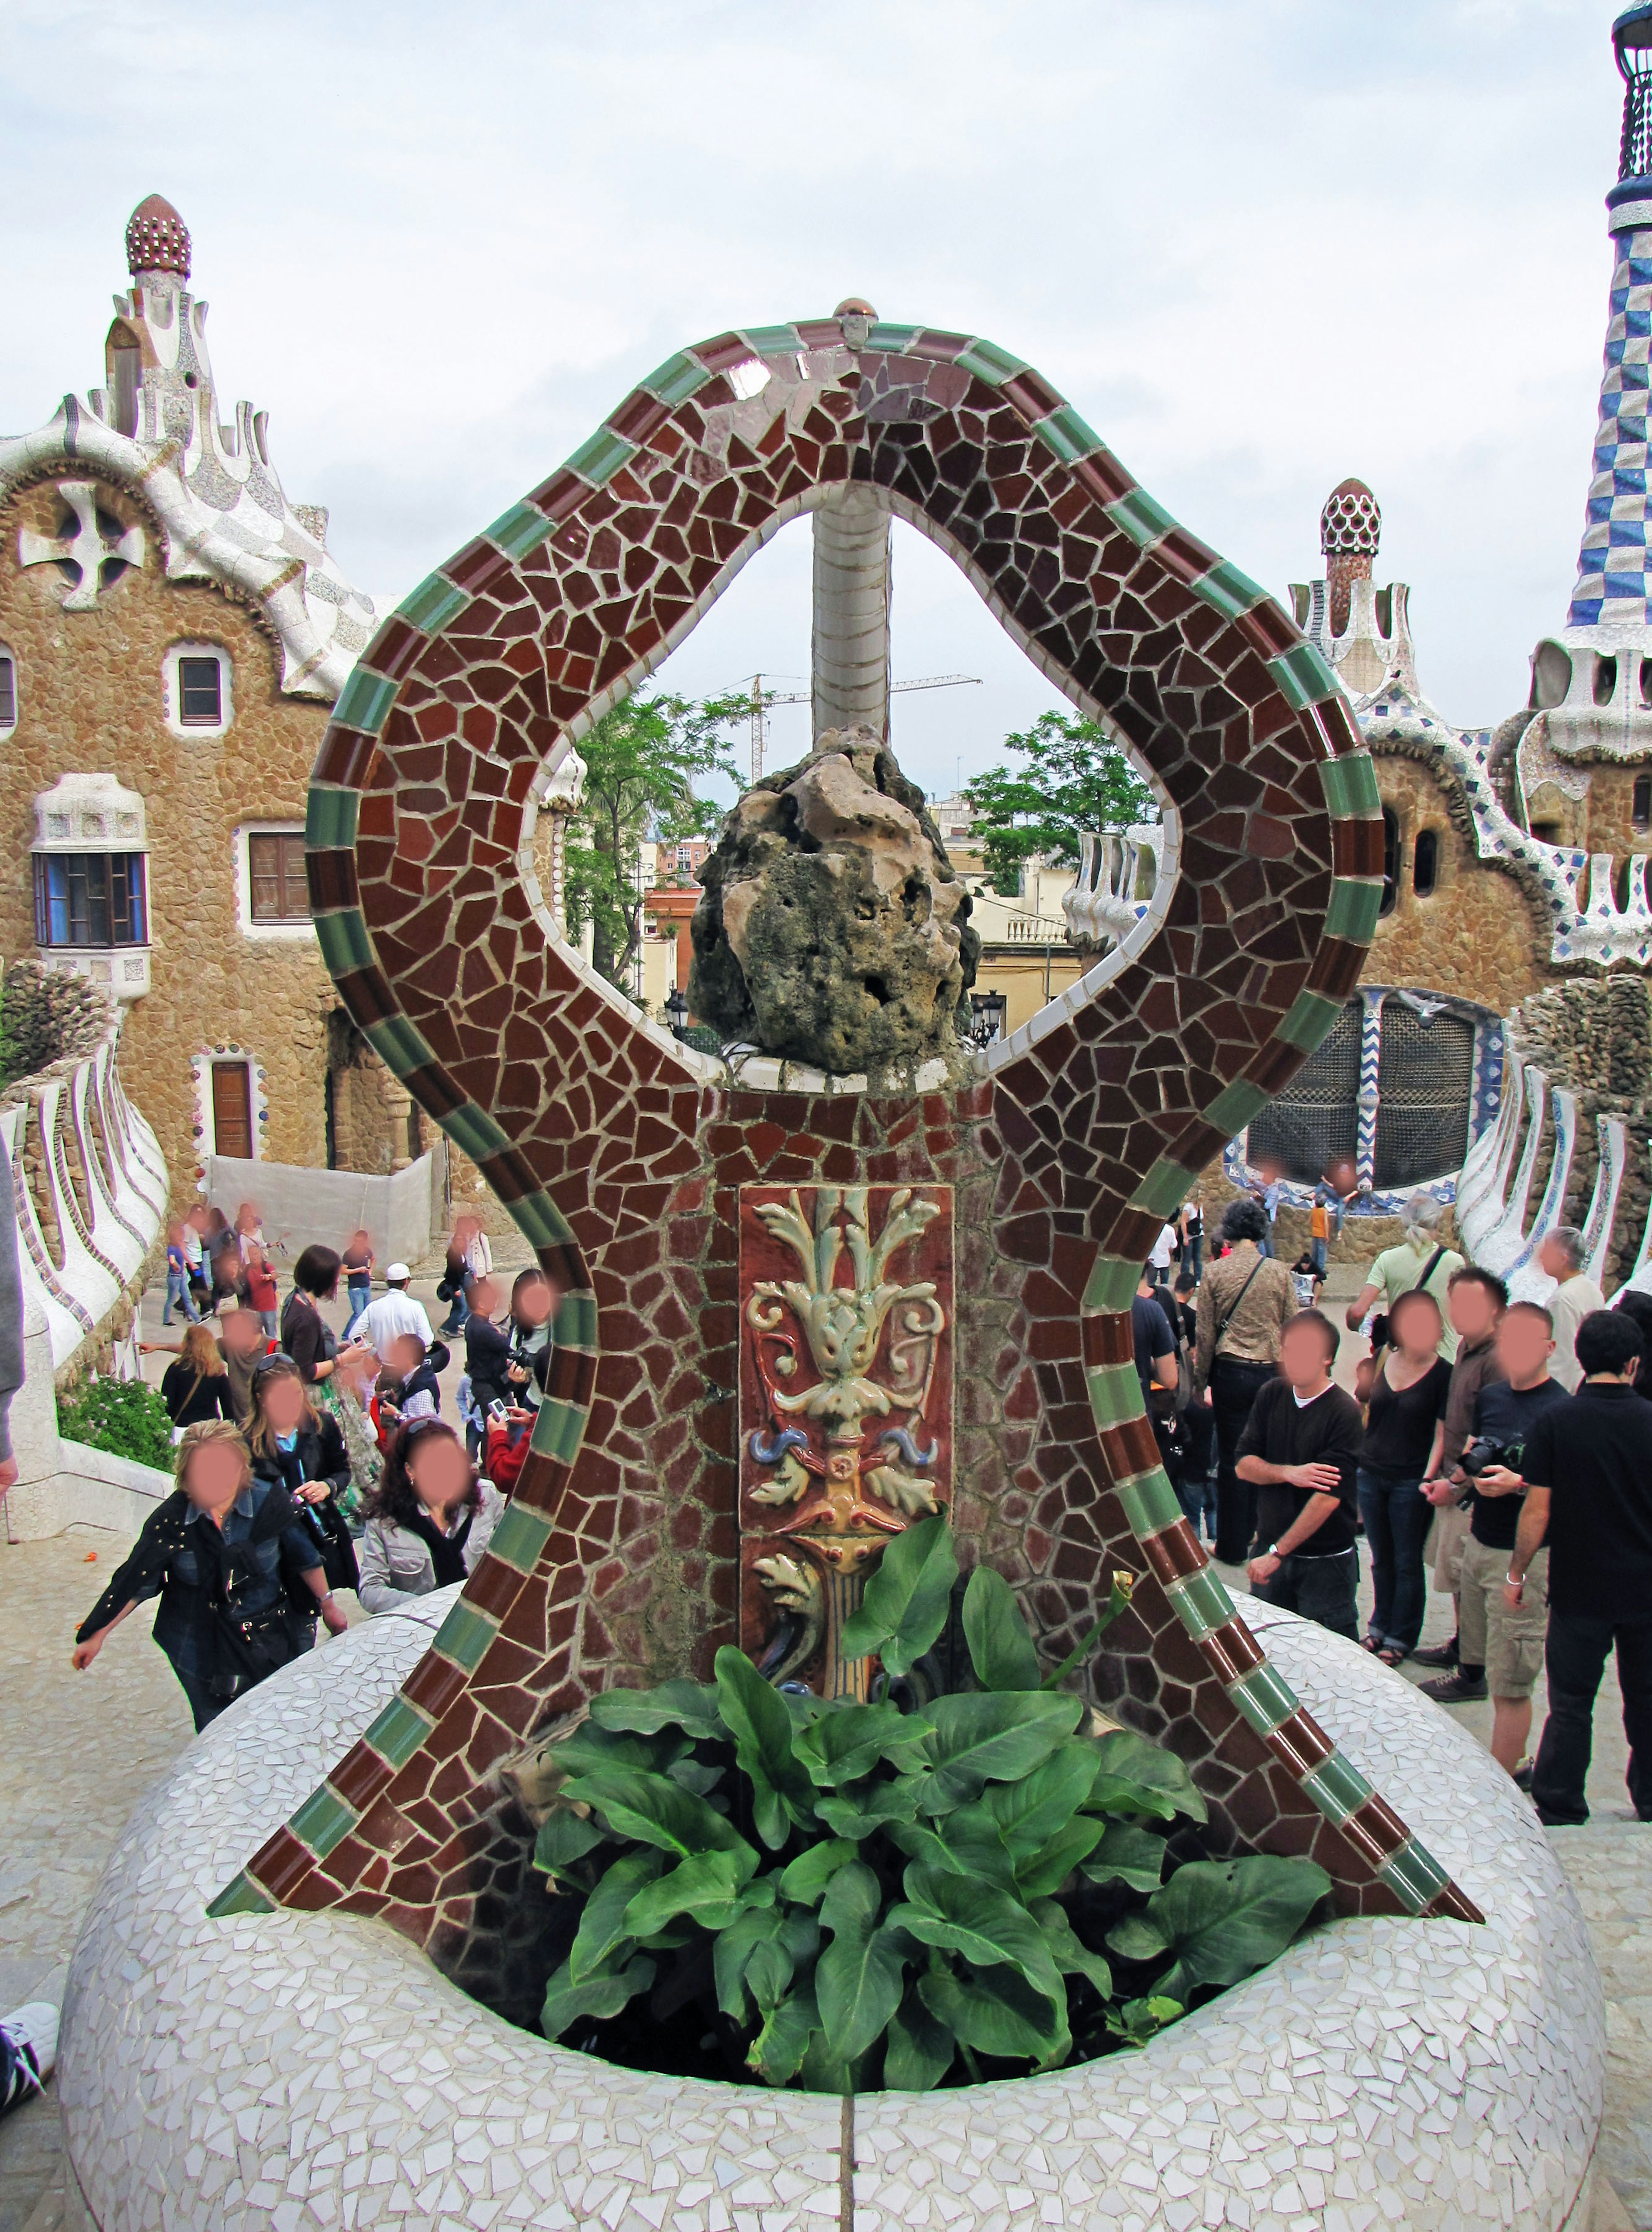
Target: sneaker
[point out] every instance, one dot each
(1452, 1690)
(31, 2031)
(1437, 1654)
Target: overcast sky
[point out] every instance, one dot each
(1259, 244)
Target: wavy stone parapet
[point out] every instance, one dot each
(282, 2070)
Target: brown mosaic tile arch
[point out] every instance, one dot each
(621, 1154)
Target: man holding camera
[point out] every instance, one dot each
(1588, 1492)
(1501, 1643)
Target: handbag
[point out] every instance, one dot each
(250, 1647)
(326, 1522)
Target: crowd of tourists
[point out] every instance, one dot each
(1500, 1449)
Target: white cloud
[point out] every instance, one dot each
(1260, 245)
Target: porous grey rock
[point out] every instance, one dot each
(833, 930)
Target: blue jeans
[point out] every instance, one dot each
(177, 1290)
(1193, 1254)
(360, 1294)
(1317, 1250)
(1398, 1517)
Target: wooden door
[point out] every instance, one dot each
(231, 1110)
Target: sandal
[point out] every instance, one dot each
(1370, 1643)
(1389, 1656)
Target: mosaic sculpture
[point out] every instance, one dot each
(624, 1155)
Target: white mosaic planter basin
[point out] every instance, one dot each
(275, 2073)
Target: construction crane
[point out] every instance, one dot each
(762, 699)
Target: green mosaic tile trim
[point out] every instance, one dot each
(773, 340)
(1141, 518)
(1263, 1696)
(892, 339)
(519, 1538)
(323, 1820)
(1302, 678)
(1350, 786)
(537, 1217)
(434, 604)
(365, 702)
(400, 1047)
(1068, 435)
(1352, 911)
(1228, 591)
(400, 1729)
(465, 1636)
(600, 459)
(1150, 1503)
(1232, 1110)
(330, 818)
(1115, 1393)
(575, 1325)
(986, 360)
(678, 378)
(1201, 1603)
(474, 1130)
(243, 1896)
(1414, 1875)
(558, 1431)
(344, 941)
(519, 531)
(1336, 1788)
(1310, 1017)
(1164, 1189)
(1113, 1282)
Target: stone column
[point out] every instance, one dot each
(851, 598)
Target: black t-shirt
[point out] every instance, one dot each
(487, 1353)
(188, 1402)
(1399, 1423)
(1282, 1432)
(1505, 1415)
(1153, 1336)
(1594, 1454)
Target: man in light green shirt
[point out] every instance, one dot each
(1397, 1270)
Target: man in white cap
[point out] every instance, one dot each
(393, 1313)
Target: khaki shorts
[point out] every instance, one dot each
(1510, 1644)
(1451, 1522)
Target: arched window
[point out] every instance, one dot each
(1425, 866)
(1424, 1091)
(1313, 1126)
(1391, 861)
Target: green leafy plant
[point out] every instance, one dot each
(123, 1417)
(840, 1896)
(1074, 779)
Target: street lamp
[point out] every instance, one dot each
(676, 1010)
(987, 1010)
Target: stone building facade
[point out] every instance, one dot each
(172, 634)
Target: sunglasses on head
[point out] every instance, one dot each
(277, 1360)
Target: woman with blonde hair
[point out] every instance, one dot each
(240, 1583)
(196, 1387)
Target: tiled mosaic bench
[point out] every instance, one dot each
(291, 2070)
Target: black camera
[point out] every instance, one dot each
(1482, 1453)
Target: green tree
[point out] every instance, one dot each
(1073, 780)
(643, 760)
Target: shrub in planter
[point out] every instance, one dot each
(123, 1417)
(923, 1890)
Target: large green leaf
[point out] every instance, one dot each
(602, 1919)
(599, 1996)
(691, 1706)
(963, 1843)
(1135, 1776)
(987, 1736)
(906, 1601)
(920, 2049)
(1041, 1873)
(1072, 1956)
(1221, 1919)
(735, 1948)
(704, 1887)
(657, 1811)
(859, 1978)
(849, 1741)
(783, 2041)
(805, 1878)
(1128, 1854)
(997, 2012)
(987, 1925)
(754, 1712)
(873, 1806)
(1001, 1650)
(593, 1749)
(564, 1837)
(1031, 1811)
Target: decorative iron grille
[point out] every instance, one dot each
(1425, 1080)
(1314, 1124)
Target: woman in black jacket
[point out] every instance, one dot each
(302, 1449)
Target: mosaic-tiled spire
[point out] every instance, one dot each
(1611, 590)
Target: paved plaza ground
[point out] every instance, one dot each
(82, 1750)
